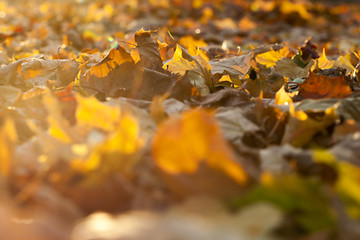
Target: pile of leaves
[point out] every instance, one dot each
(179, 120)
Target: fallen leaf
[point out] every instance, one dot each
(182, 143)
(191, 43)
(111, 75)
(321, 86)
(308, 51)
(198, 74)
(227, 97)
(148, 50)
(90, 109)
(301, 128)
(234, 67)
(270, 58)
(291, 70)
(322, 62)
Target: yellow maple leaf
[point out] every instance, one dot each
(116, 57)
(270, 58)
(178, 64)
(182, 143)
(197, 67)
(191, 44)
(323, 62)
(93, 113)
(117, 150)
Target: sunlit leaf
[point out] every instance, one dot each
(270, 58)
(198, 74)
(116, 57)
(110, 76)
(115, 152)
(191, 44)
(93, 113)
(322, 62)
(182, 143)
(344, 62)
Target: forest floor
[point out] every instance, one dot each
(170, 119)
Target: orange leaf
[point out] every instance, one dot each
(320, 86)
(182, 143)
(116, 57)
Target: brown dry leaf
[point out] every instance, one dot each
(234, 67)
(234, 124)
(183, 90)
(273, 159)
(111, 75)
(148, 83)
(291, 70)
(148, 50)
(227, 97)
(182, 143)
(321, 86)
(308, 51)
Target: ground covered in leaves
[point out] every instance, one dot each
(167, 119)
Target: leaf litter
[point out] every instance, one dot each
(187, 120)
